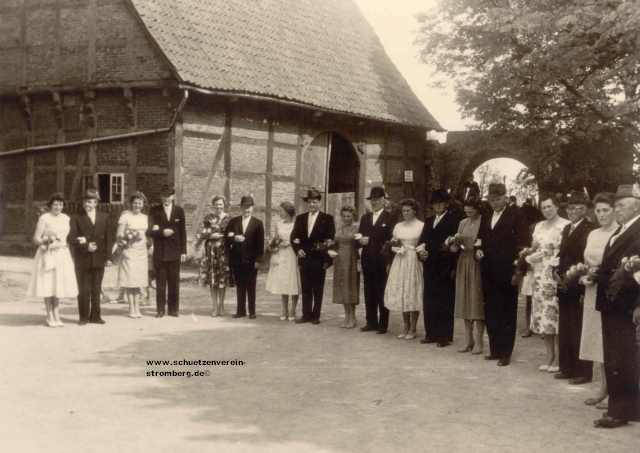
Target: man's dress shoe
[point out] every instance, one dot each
(239, 315)
(579, 380)
(315, 321)
(609, 422)
(97, 321)
(368, 329)
(427, 341)
(443, 344)
(175, 314)
(252, 316)
(381, 331)
(302, 320)
(504, 361)
(160, 314)
(562, 375)
(491, 357)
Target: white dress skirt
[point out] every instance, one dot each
(133, 270)
(405, 285)
(284, 277)
(53, 272)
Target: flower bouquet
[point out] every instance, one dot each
(390, 248)
(326, 245)
(126, 241)
(47, 240)
(572, 277)
(453, 241)
(625, 278)
(521, 262)
(48, 259)
(275, 243)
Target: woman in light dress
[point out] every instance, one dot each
(591, 340)
(215, 271)
(469, 301)
(53, 277)
(133, 270)
(346, 279)
(284, 277)
(405, 285)
(546, 243)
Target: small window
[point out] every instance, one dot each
(110, 186)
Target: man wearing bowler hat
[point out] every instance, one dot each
(167, 227)
(571, 252)
(310, 231)
(501, 236)
(92, 239)
(439, 265)
(621, 314)
(245, 236)
(375, 229)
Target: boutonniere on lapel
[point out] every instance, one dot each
(384, 225)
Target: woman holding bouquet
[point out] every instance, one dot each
(284, 277)
(591, 341)
(133, 271)
(546, 244)
(53, 275)
(214, 264)
(346, 279)
(404, 290)
(469, 303)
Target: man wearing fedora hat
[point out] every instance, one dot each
(167, 227)
(310, 230)
(375, 229)
(502, 235)
(91, 237)
(620, 314)
(438, 265)
(571, 252)
(245, 235)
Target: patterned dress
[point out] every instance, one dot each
(284, 277)
(405, 285)
(591, 340)
(346, 279)
(544, 314)
(214, 262)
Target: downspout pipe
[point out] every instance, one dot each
(89, 141)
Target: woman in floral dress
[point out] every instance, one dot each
(405, 285)
(546, 245)
(214, 263)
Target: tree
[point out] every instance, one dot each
(524, 186)
(486, 174)
(554, 71)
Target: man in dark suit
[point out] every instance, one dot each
(91, 237)
(501, 236)
(375, 229)
(167, 227)
(471, 188)
(513, 202)
(245, 235)
(620, 314)
(572, 245)
(439, 266)
(310, 230)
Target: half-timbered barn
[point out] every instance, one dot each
(229, 97)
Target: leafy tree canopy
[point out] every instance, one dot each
(556, 70)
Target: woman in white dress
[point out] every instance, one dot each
(591, 340)
(284, 277)
(53, 277)
(404, 290)
(546, 243)
(133, 271)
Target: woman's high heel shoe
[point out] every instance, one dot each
(51, 323)
(410, 336)
(467, 348)
(355, 321)
(402, 335)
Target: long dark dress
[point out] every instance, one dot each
(346, 279)
(469, 301)
(214, 263)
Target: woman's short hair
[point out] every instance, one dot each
(137, 195)
(218, 197)
(411, 202)
(550, 196)
(351, 209)
(56, 196)
(288, 208)
(604, 197)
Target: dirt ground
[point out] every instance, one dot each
(302, 388)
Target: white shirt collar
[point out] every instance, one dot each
(575, 225)
(498, 214)
(628, 224)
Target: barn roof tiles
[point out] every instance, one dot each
(320, 53)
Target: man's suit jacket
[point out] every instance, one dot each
(101, 233)
(572, 252)
(167, 248)
(251, 250)
(378, 234)
(627, 244)
(324, 228)
(439, 262)
(500, 246)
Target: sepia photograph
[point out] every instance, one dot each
(320, 226)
